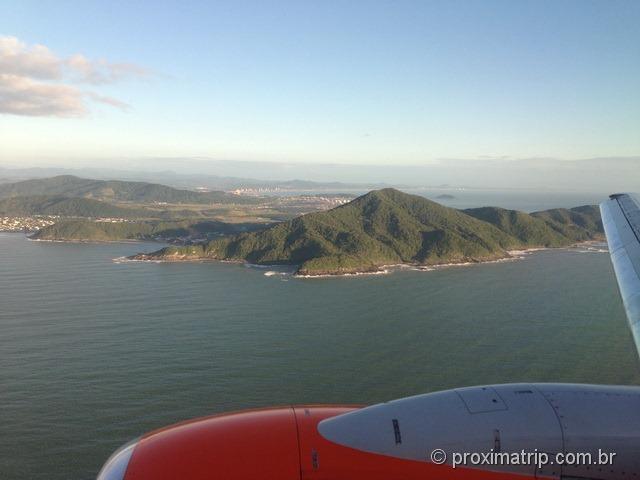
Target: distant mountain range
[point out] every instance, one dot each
(602, 175)
(184, 180)
(115, 191)
(387, 227)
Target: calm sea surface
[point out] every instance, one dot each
(95, 352)
(525, 200)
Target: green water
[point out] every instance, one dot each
(94, 352)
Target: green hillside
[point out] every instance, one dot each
(390, 227)
(578, 223)
(66, 207)
(549, 228)
(115, 190)
(86, 230)
(529, 230)
(381, 227)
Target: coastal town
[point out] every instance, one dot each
(26, 223)
(30, 224)
(305, 203)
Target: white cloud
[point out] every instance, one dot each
(36, 82)
(23, 96)
(108, 101)
(17, 58)
(101, 71)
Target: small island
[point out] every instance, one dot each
(445, 196)
(390, 227)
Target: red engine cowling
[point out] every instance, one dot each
(266, 444)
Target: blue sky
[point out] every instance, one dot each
(340, 82)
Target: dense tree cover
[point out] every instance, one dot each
(115, 190)
(390, 227)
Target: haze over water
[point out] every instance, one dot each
(95, 352)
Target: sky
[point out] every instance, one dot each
(372, 82)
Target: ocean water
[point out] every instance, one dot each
(524, 200)
(516, 199)
(94, 352)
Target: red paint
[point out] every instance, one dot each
(274, 444)
(259, 444)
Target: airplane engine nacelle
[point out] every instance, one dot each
(395, 440)
(512, 418)
(252, 444)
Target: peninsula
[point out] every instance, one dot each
(385, 227)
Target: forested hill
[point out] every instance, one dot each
(114, 190)
(390, 227)
(66, 207)
(549, 228)
(80, 230)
